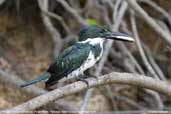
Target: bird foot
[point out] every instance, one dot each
(83, 78)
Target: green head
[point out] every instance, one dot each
(92, 32)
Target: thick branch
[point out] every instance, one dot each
(16, 81)
(119, 78)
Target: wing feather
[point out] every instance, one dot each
(70, 60)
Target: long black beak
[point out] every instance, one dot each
(118, 36)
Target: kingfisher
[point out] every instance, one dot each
(80, 56)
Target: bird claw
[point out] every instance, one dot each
(83, 77)
(83, 80)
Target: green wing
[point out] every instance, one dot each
(70, 60)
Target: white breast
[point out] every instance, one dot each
(87, 64)
(90, 60)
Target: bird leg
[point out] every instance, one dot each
(83, 78)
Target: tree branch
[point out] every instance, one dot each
(105, 55)
(114, 77)
(73, 12)
(16, 81)
(139, 46)
(56, 37)
(141, 13)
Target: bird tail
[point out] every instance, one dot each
(44, 76)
